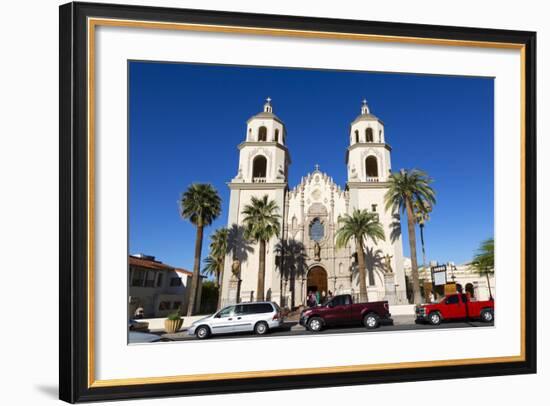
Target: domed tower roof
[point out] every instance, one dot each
(267, 113)
(365, 114)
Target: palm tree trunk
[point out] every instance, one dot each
(423, 250)
(412, 248)
(489, 286)
(220, 285)
(196, 272)
(362, 271)
(261, 273)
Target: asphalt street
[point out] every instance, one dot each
(292, 328)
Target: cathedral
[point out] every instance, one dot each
(304, 257)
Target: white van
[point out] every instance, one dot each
(257, 317)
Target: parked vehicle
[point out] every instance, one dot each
(257, 317)
(340, 310)
(135, 325)
(137, 337)
(454, 307)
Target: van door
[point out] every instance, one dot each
(224, 321)
(244, 318)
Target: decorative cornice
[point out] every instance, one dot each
(367, 185)
(369, 144)
(256, 186)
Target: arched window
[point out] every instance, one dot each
(380, 136)
(356, 136)
(316, 230)
(368, 135)
(277, 135)
(262, 134)
(371, 167)
(259, 167)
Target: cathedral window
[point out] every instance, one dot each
(371, 166)
(368, 135)
(259, 167)
(276, 135)
(316, 230)
(262, 134)
(356, 136)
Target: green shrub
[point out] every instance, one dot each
(174, 316)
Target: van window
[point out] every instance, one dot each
(257, 308)
(228, 311)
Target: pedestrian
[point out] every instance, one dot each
(329, 295)
(318, 297)
(138, 314)
(310, 299)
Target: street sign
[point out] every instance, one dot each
(439, 275)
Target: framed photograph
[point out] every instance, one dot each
(257, 202)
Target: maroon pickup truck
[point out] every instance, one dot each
(456, 306)
(340, 310)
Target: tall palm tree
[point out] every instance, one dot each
(422, 216)
(360, 226)
(484, 261)
(405, 188)
(261, 222)
(218, 251)
(291, 260)
(201, 205)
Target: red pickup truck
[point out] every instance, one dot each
(456, 306)
(340, 310)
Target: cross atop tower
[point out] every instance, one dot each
(267, 106)
(365, 107)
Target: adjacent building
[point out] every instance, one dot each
(466, 278)
(157, 289)
(304, 257)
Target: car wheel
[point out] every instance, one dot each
(434, 319)
(261, 328)
(315, 324)
(487, 316)
(371, 321)
(202, 332)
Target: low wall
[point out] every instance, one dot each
(402, 310)
(157, 324)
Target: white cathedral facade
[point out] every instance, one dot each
(304, 257)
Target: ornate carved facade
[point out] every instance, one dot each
(304, 257)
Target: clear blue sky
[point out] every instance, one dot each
(187, 120)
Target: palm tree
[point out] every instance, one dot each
(261, 223)
(212, 266)
(218, 251)
(291, 259)
(360, 226)
(201, 205)
(405, 188)
(422, 216)
(484, 261)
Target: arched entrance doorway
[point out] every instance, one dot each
(317, 281)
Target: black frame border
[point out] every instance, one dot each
(73, 289)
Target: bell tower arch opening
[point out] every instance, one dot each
(259, 167)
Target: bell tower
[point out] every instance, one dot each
(368, 155)
(368, 160)
(263, 156)
(263, 170)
